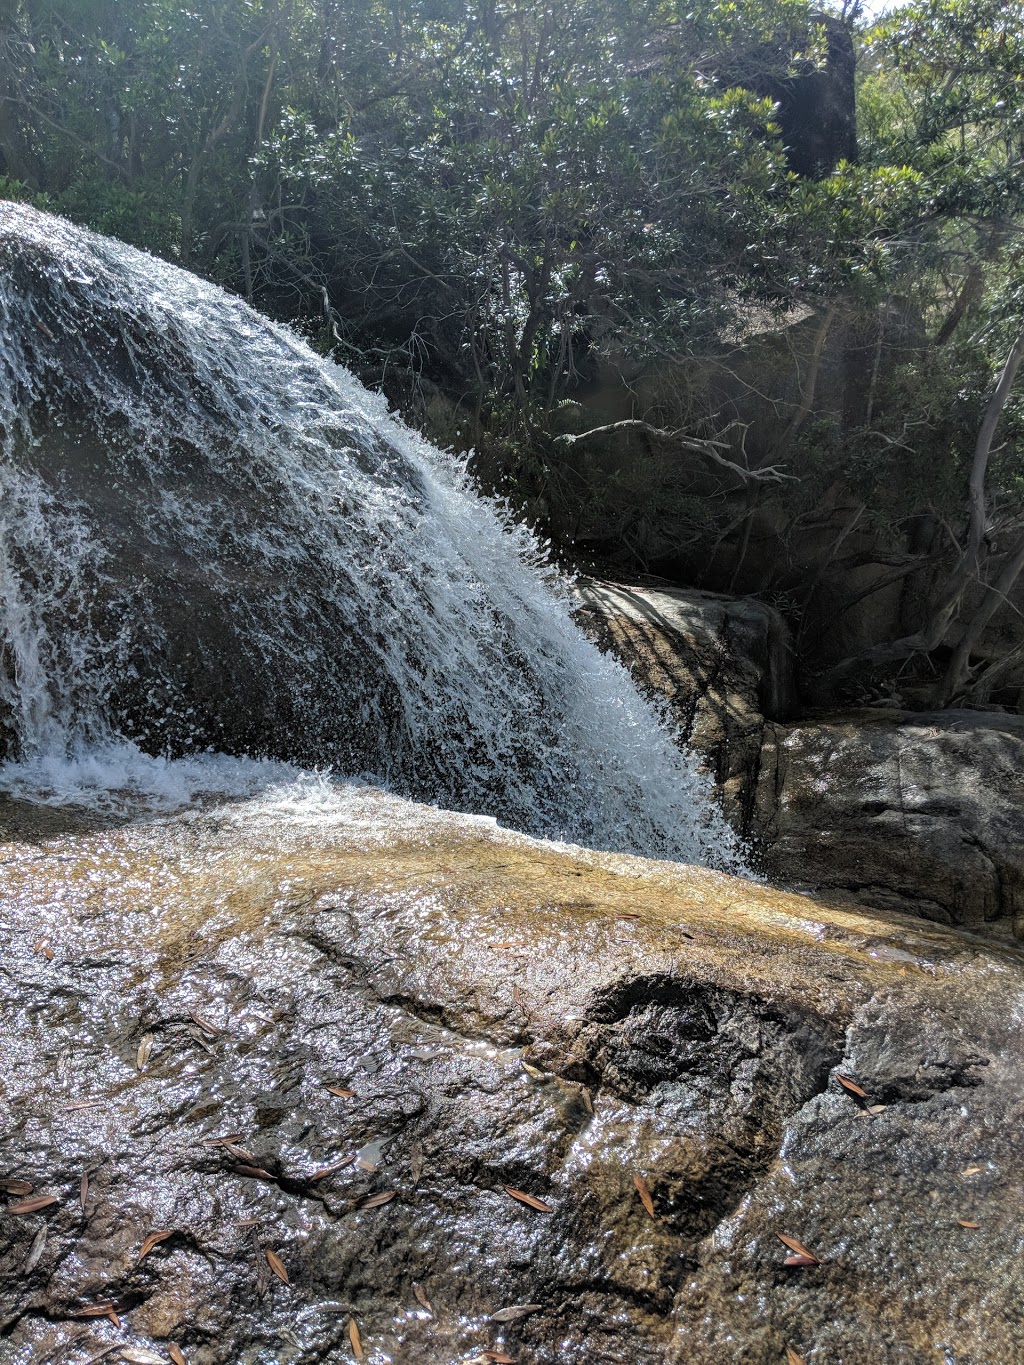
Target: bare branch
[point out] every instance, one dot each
(709, 449)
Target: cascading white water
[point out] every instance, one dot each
(212, 539)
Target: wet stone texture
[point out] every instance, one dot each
(505, 1014)
(919, 812)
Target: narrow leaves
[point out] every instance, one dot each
(808, 1257)
(966, 1223)
(8, 1185)
(277, 1265)
(145, 1052)
(35, 1251)
(374, 1201)
(792, 1358)
(33, 1205)
(154, 1239)
(175, 1353)
(355, 1339)
(343, 1091)
(530, 1199)
(644, 1193)
(852, 1086)
(516, 1311)
(421, 1297)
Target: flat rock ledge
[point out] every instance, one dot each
(395, 1028)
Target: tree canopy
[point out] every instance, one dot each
(579, 238)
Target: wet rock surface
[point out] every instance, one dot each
(911, 811)
(917, 812)
(492, 1014)
(723, 664)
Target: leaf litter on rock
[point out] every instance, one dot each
(375, 1201)
(515, 1311)
(322, 1171)
(154, 1239)
(530, 1199)
(277, 1265)
(138, 1356)
(253, 1172)
(145, 1052)
(205, 1025)
(644, 1193)
(33, 1205)
(10, 1185)
(355, 1339)
(421, 1297)
(792, 1358)
(851, 1086)
(966, 1223)
(35, 1251)
(176, 1355)
(803, 1255)
(342, 1090)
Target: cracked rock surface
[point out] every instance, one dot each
(339, 1029)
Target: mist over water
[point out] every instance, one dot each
(220, 556)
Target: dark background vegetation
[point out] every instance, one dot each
(717, 292)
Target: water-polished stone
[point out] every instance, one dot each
(507, 1015)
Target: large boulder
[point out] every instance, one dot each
(919, 812)
(914, 811)
(722, 664)
(521, 1046)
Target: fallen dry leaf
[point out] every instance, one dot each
(792, 1358)
(329, 1170)
(510, 944)
(83, 1190)
(35, 1251)
(81, 1104)
(587, 1098)
(973, 1170)
(135, 1355)
(644, 1193)
(343, 1091)
(869, 1111)
(38, 1201)
(525, 1198)
(277, 1265)
(253, 1172)
(154, 1239)
(205, 1025)
(374, 1201)
(533, 1071)
(98, 1310)
(43, 946)
(798, 1247)
(222, 1141)
(355, 1339)
(627, 916)
(801, 1260)
(499, 1357)
(852, 1086)
(176, 1355)
(421, 1297)
(240, 1153)
(145, 1052)
(966, 1223)
(516, 1311)
(8, 1185)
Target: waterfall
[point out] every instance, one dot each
(214, 540)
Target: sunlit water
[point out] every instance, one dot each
(218, 547)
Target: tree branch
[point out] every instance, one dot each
(709, 449)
